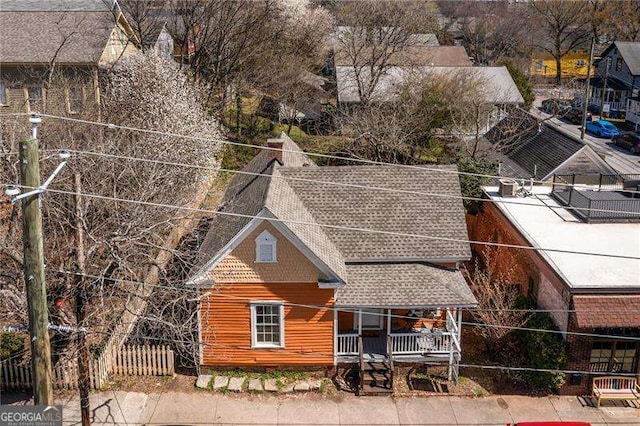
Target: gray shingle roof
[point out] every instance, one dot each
(246, 194)
(393, 212)
(370, 282)
(630, 52)
(51, 5)
(404, 285)
(35, 36)
(529, 146)
(497, 86)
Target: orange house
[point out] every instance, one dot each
(308, 266)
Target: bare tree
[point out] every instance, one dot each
(492, 31)
(122, 240)
(377, 33)
(146, 19)
(497, 295)
(564, 26)
(410, 124)
(222, 40)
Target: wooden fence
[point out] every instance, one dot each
(128, 360)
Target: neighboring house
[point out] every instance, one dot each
(498, 90)
(618, 77)
(590, 294)
(574, 64)
(526, 148)
(498, 86)
(51, 53)
(288, 280)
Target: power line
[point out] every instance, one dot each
(195, 291)
(328, 226)
(313, 154)
(355, 310)
(329, 354)
(348, 185)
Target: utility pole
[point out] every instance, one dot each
(34, 270)
(604, 85)
(585, 102)
(80, 307)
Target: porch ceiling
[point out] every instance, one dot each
(612, 83)
(398, 285)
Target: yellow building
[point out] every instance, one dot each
(573, 64)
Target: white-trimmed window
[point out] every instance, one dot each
(266, 245)
(3, 94)
(267, 325)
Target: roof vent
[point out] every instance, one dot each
(508, 188)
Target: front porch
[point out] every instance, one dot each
(400, 335)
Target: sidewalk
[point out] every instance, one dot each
(213, 408)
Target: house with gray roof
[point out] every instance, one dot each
(51, 52)
(526, 147)
(617, 79)
(331, 266)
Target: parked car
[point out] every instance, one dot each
(574, 115)
(603, 129)
(555, 106)
(630, 141)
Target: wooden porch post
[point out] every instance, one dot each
(459, 313)
(359, 322)
(335, 336)
(388, 321)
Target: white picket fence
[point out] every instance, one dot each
(128, 360)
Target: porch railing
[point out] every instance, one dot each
(420, 343)
(347, 344)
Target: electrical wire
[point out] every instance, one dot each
(328, 226)
(196, 291)
(343, 184)
(355, 310)
(330, 354)
(309, 153)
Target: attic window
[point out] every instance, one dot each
(266, 248)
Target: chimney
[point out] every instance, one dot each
(276, 152)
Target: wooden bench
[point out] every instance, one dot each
(623, 388)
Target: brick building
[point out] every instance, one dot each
(590, 294)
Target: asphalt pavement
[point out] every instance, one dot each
(618, 158)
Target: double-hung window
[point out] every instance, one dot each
(267, 325)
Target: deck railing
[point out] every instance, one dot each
(414, 343)
(347, 344)
(420, 343)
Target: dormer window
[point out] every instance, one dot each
(266, 248)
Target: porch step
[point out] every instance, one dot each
(377, 378)
(376, 366)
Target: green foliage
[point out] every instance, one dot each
(543, 351)
(522, 83)
(10, 343)
(470, 185)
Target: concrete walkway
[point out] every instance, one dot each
(213, 408)
(205, 407)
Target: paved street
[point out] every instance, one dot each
(620, 159)
(210, 408)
